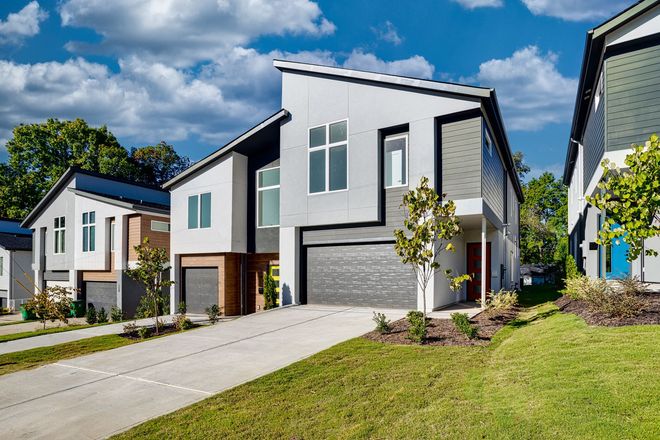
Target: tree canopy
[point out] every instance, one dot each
(40, 153)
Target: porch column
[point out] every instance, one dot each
(484, 262)
(289, 266)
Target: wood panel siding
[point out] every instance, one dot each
(394, 216)
(632, 91)
(139, 227)
(593, 141)
(461, 159)
(134, 236)
(99, 275)
(493, 180)
(257, 266)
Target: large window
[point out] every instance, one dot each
(89, 231)
(268, 197)
(396, 160)
(328, 157)
(199, 211)
(59, 235)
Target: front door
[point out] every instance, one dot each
(474, 270)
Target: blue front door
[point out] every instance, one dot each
(616, 265)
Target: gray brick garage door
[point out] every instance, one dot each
(200, 288)
(359, 275)
(101, 294)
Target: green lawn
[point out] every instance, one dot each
(548, 375)
(32, 333)
(22, 360)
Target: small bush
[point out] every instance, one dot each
(462, 323)
(578, 288)
(619, 299)
(417, 326)
(213, 312)
(144, 332)
(102, 316)
(91, 315)
(382, 323)
(632, 285)
(131, 328)
(270, 292)
(501, 300)
(116, 314)
(571, 268)
(182, 308)
(181, 322)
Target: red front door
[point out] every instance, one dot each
(474, 270)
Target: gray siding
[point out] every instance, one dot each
(394, 216)
(594, 142)
(369, 275)
(493, 180)
(461, 159)
(632, 92)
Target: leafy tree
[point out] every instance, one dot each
(519, 162)
(50, 304)
(158, 163)
(631, 199)
(151, 264)
(430, 224)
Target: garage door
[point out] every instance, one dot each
(101, 294)
(200, 288)
(359, 275)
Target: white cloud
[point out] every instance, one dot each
(416, 66)
(22, 24)
(183, 32)
(473, 4)
(388, 32)
(582, 10)
(531, 91)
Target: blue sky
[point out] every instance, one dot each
(195, 73)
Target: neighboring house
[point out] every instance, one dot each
(616, 106)
(313, 195)
(85, 231)
(15, 264)
(538, 274)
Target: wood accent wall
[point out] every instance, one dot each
(100, 275)
(139, 227)
(257, 265)
(134, 239)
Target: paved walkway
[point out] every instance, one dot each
(20, 326)
(470, 308)
(104, 393)
(75, 335)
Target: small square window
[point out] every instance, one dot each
(338, 132)
(317, 137)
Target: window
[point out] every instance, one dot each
(328, 157)
(488, 143)
(199, 211)
(396, 160)
(59, 229)
(112, 237)
(159, 226)
(89, 231)
(268, 197)
(2, 266)
(599, 92)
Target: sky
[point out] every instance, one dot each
(196, 73)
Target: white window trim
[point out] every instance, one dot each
(56, 235)
(199, 211)
(264, 189)
(162, 222)
(394, 137)
(488, 141)
(88, 225)
(327, 147)
(113, 232)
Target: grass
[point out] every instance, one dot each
(48, 331)
(2, 324)
(547, 375)
(22, 360)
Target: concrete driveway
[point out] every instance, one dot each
(101, 394)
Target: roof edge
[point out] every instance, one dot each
(122, 204)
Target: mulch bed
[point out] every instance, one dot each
(444, 332)
(166, 329)
(649, 313)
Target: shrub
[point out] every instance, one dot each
(578, 288)
(181, 322)
(102, 316)
(382, 323)
(270, 292)
(213, 312)
(571, 268)
(632, 285)
(619, 299)
(462, 323)
(182, 308)
(144, 332)
(131, 328)
(116, 314)
(91, 315)
(417, 326)
(501, 300)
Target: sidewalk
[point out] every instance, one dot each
(29, 326)
(75, 335)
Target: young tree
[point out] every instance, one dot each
(152, 263)
(50, 304)
(631, 199)
(431, 224)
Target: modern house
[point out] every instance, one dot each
(15, 264)
(616, 106)
(85, 230)
(313, 193)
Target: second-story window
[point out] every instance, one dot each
(396, 160)
(89, 231)
(199, 211)
(59, 237)
(488, 143)
(268, 197)
(328, 157)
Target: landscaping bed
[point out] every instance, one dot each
(164, 330)
(444, 332)
(649, 312)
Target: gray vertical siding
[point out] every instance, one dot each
(593, 141)
(493, 181)
(394, 216)
(461, 159)
(633, 89)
